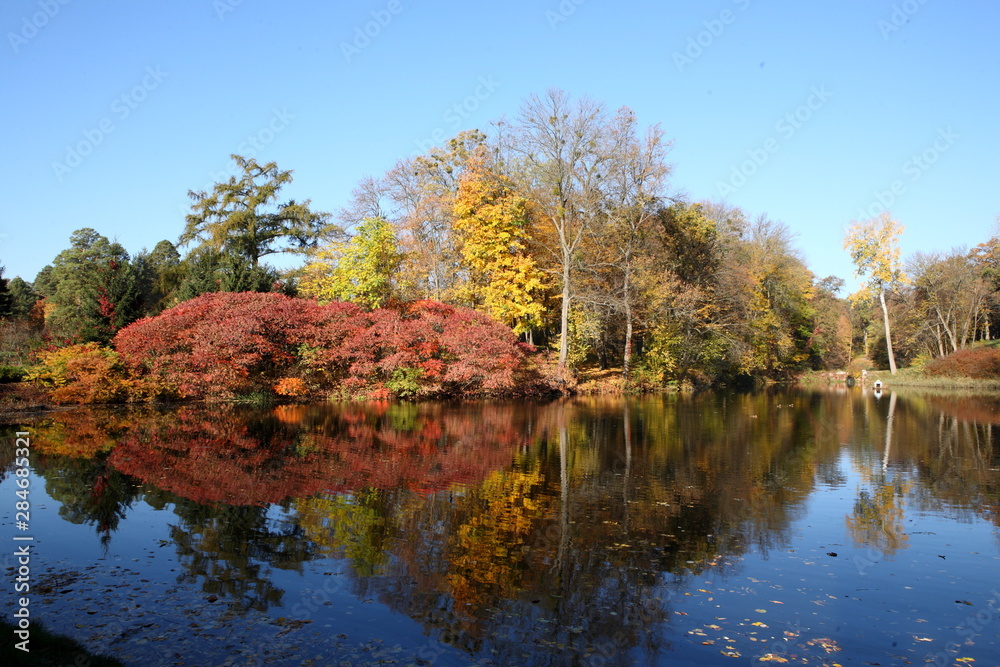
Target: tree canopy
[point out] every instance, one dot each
(243, 219)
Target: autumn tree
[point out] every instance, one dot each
(417, 196)
(986, 257)
(634, 187)
(680, 276)
(830, 339)
(362, 270)
(241, 218)
(774, 300)
(563, 152)
(491, 221)
(950, 296)
(874, 248)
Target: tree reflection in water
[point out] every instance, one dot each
(568, 527)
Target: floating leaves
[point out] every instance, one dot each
(827, 644)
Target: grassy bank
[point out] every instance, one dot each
(904, 377)
(915, 377)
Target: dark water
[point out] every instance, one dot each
(792, 527)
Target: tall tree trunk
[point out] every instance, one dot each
(888, 338)
(947, 329)
(627, 362)
(564, 317)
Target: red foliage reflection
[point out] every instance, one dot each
(237, 457)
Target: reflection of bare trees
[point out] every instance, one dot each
(938, 454)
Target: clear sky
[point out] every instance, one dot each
(808, 112)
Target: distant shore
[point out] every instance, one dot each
(904, 377)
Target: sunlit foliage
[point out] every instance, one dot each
(226, 345)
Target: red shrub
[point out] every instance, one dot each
(224, 344)
(980, 362)
(227, 344)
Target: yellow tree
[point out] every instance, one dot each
(362, 270)
(874, 248)
(492, 225)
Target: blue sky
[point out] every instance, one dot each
(809, 112)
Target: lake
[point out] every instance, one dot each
(788, 526)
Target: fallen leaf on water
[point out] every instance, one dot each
(965, 659)
(713, 627)
(770, 657)
(828, 644)
(923, 639)
(759, 624)
(761, 611)
(730, 654)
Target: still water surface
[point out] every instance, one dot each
(798, 527)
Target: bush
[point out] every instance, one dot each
(980, 363)
(86, 373)
(227, 345)
(90, 373)
(11, 374)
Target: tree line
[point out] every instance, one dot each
(563, 224)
